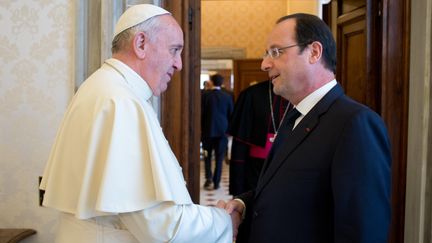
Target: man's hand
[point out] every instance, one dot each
(235, 209)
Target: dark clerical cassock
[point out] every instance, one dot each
(257, 115)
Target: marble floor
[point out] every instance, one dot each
(210, 198)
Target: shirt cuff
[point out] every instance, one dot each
(244, 207)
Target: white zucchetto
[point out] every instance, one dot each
(136, 15)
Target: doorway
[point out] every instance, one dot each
(233, 39)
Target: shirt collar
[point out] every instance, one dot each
(137, 84)
(312, 99)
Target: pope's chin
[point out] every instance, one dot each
(162, 89)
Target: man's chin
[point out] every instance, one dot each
(276, 90)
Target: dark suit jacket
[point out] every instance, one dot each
(328, 182)
(216, 108)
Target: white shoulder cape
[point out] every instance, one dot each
(110, 155)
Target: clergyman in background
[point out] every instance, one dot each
(257, 116)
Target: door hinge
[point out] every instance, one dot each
(190, 18)
(380, 8)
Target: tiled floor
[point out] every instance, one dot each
(210, 198)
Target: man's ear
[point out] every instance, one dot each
(316, 50)
(139, 45)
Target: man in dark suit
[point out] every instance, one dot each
(327, 177)
(216, 108)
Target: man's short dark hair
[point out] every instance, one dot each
(310, 28)
(217, 79)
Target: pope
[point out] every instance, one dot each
(111, 173)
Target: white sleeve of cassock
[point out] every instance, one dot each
(168, 222)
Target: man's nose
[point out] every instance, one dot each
(266, 64)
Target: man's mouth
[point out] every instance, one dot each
(274, 77)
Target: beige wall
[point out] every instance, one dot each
(418, 204)
(246, 23)
(36, 58)
(304, 6)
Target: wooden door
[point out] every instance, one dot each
(247, 72)
(373, 53)
(358, 68)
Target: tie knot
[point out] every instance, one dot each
(293, 114)
(292, 117)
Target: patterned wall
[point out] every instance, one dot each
(246, 23)
(36, 58)
(239, 23)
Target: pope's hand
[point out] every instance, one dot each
(235, 209)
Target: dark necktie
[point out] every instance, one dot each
(283, 134)
(287, 127)
(292, 117)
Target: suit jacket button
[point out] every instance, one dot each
(255, 214)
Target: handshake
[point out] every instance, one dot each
(236, 209)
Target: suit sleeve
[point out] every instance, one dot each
(247, 198)
(361, 181)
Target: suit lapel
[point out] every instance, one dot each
(296, 137)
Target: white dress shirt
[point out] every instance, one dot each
(312, 99)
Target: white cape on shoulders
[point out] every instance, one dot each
(110, 155)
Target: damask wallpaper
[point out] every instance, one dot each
(36, 83)
(246, 23)
(239, 24)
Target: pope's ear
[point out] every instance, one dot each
(139, 44)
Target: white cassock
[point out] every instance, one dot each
(112, 174)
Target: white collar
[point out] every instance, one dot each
(137, 84)
(313, 98)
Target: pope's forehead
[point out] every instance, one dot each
(170, 32)
(168, 21)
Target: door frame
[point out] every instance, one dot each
(180, 104)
